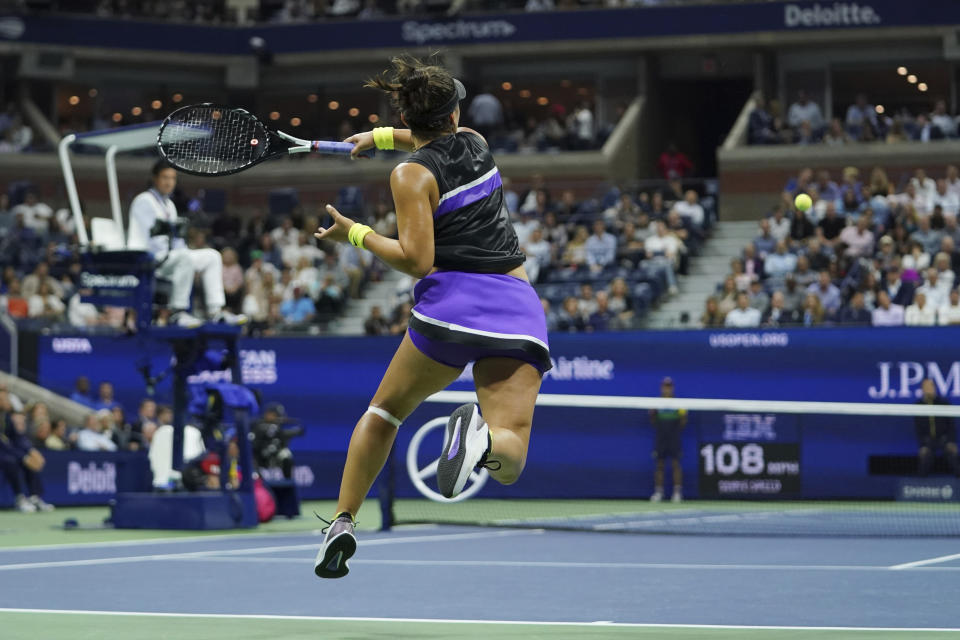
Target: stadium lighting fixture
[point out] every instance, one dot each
(177, 97)
(74, 100)
(543, 100)
(880, 108)
(295, 121)
(902, 71)
(333, 105)
(525, 93)
(373, 118)
(506, 86)
(922, 86)
(117, 117)
(156, 104)
(136, 111)
(354, 112)
(312, 98)
(912, 79)
(274, 115)
(92, 93)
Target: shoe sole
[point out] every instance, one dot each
(335, 555)
(454, 470)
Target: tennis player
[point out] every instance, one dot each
(473, 302)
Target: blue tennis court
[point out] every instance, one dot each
(480, 579)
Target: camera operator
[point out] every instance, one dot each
(155, 227)
(271, 435)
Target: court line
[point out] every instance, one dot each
(252, 550)
(923, 563)
(533, 564)
(558, 623)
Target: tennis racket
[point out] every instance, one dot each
(213, 140)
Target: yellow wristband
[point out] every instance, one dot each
(357, 233)
(383, 138)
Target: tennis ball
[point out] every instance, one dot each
(802, 202)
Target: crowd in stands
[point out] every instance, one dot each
(805, 124)
(598, 263)
(273, 269)
(870, 251)
(15, 135)
(220, 11)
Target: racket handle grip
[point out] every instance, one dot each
(336, 148)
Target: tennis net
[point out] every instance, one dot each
(748, 468)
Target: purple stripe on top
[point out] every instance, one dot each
(469, 196)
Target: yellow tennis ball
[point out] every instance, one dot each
(802, 202)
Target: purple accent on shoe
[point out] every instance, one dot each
(455, 447)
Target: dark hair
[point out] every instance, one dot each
(159, 166)
(419, 90)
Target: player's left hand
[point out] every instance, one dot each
(338, 230)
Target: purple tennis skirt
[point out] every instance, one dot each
(461, 317)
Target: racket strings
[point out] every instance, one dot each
(210, 139)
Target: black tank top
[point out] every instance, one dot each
(471, 225)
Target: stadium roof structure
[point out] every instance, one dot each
(112, 142)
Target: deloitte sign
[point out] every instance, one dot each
(838, 14)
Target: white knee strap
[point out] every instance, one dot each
(377, 411)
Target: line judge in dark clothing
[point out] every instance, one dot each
(935, 433)
(668, 426)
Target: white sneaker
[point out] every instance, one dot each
(24, 506)
(185, 320)
(40, 505)
(657, 496)
(676, 497)
(225, 317)
(464, 448)
(338, 546)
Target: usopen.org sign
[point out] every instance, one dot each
(903, 379)
(257, 366)
(838, 14)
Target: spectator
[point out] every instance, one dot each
(856, 312)
(59, 439)
(793, 293)
(105, 399)
(742, 278)
(45, 304)
(861, 113)
(581, 127)
(690, 209)
(569, 317)
(942, 122)
(858, 239)
(123, 433)
(935, 433)
(232, 279)
(385, 220)
(36, 214)
(950, 312)
(926, 187)
(946, 276)
(587, 302)
(819, 255)
(935, 292)
(778, 315)
(826, 292)
(813, 312)
(779, 224)
(920, 313)
(620, 304)
(95, 436)
(728, 296)
(899, 292)
(81, 392)
(486, 113)
(601, 318)
(946, 199)
(759, 299)
(673, 164)
(743, 315)
(20, 462)
(146, 421)
(401, 319)
(525, 225)
(752, 265)
(712, 316)
(664, 249)
(41, 275)
(805, 110)
(285, 235)
(836, 135)
(762, 126)
(917, 259)
(887, 314)
(764, 243)
(300, 309)
(376, 324)
(779, 264)
(601, 247)
(538, 253)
